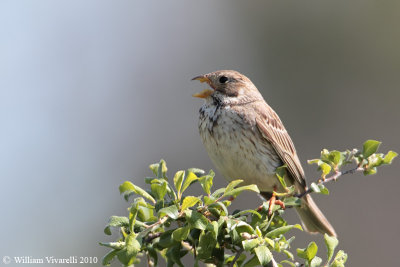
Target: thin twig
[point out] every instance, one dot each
(240, 251)
(161, 221)
(334, 177)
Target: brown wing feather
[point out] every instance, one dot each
(273, 130)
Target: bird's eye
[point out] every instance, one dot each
(223, 79)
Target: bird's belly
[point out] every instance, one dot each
(239, 152)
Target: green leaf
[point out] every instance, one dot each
(178, 179)
(288, 254)
(319, 188)
(221, 206)
(208, 200)
(196, 219)
(115, 245)
(340, 259)
(323, 190)
(159, 169)
(144, 213)
(292, 201)
(162, 169)
(216, 212)
(312, 250)
(258, 231)
(128, 187)
(166, 239)
(190, 178)
(109, 257)
(375, 160)
(181, 233)
(227, 203)
(207, 243)
(281, 173)
(242, 227)
(282, 230)
(315, 188)
(325, 168)
(230, 258)
(325, 155)
(153, 254)
(302, 253)
(198, 172)
(235, 237)
(316, 261)
(331, 243)
(206, 183)
(171, 211)
(154, 168)
(189, 201)
(175, 254)
(370, 171)
(213, 228)
(132, 216)
(217, 193)
(336, 157)
(149, 180)
(309, 252)
(263, 254)
(252, 262)
(233, 184)
(389, 157)
(250, 244)
(240, 213)
(313, 161)
(159, 190)
(116, 221)
(370, 147)
(128, 254)
(236, 191)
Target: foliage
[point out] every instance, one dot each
(164, 223)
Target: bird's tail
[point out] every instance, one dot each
(312, 218)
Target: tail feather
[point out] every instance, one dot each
(312, 218)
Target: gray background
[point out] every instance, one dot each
(92, 92)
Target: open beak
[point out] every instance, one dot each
(206, 92)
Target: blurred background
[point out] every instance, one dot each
(92, 92)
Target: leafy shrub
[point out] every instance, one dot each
(164, 223)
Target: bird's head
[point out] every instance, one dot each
(228, 86)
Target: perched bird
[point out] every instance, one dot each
(245, 139)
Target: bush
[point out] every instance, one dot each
(165, 223)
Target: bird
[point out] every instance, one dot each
(245, 139)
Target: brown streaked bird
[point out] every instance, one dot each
(245, 139)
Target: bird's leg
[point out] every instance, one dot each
(272, 201)
(280, 203)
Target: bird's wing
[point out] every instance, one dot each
(272, 129)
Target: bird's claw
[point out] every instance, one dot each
(273, 201)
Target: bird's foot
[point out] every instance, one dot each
(273, 201)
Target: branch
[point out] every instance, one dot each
(334, 177)
(160, 221)
(240, 251)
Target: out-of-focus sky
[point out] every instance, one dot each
(92, 92)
